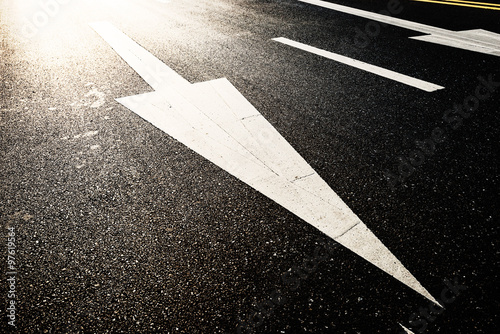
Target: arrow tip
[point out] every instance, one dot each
(363, 242)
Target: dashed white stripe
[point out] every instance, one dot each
(405, 79)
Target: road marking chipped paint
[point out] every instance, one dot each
(86, 134)
(101, 98)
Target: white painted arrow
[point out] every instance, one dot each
(216, 121)
(476, 40)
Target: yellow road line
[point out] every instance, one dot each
(461, 4)
(475, 2)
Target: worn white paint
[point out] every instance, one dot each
(86, 134)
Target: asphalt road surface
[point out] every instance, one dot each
(111, 225)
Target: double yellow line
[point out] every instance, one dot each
(474, 4)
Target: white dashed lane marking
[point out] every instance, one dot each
(405, 79)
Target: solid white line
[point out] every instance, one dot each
(407, 80)
(443, 36)
(377, 17)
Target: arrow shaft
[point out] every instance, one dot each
(150, 68)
